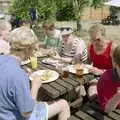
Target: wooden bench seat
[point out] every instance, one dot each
(92, 111)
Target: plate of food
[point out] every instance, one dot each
(77, 69)
(50, 61)
(46, 75)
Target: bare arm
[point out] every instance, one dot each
(113, 102)
(34, 92)
(36, 83)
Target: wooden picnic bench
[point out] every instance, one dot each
(92, 111)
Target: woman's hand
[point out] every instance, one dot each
(96, 71)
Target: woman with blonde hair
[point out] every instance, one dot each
(100, 51)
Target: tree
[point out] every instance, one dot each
(45, 8)
(78, 7)
(48, 8)
(96, 3)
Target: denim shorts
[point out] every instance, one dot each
(40, 111)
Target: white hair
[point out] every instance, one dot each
(22, 36)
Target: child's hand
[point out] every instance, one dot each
(56, 56)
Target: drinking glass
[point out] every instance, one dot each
(33, 61)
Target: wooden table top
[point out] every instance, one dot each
(61, 86)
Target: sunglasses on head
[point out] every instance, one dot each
(65, 28)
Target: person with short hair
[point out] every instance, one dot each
(108, 86)
(16, 100)
(100, 50)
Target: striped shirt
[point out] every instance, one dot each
(76, 47)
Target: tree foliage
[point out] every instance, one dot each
(63, 9)
(45, 8)
(96, 3)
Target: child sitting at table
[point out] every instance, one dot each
(108, 86)
(16, 99)
(52, 35)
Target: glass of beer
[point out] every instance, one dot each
(79, 69)
(65, 73)
(62, 70)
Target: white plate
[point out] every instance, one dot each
(71, 69)
(88, 66)
(25, 62)
(53, 75)
(50, 61)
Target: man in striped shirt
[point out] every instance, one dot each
(72, 47)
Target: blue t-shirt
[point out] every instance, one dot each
(15, 96)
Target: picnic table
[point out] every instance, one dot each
(65, 88)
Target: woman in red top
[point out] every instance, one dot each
(100, 51)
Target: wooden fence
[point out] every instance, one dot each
(95, 14)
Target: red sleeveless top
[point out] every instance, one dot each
(101, 61)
